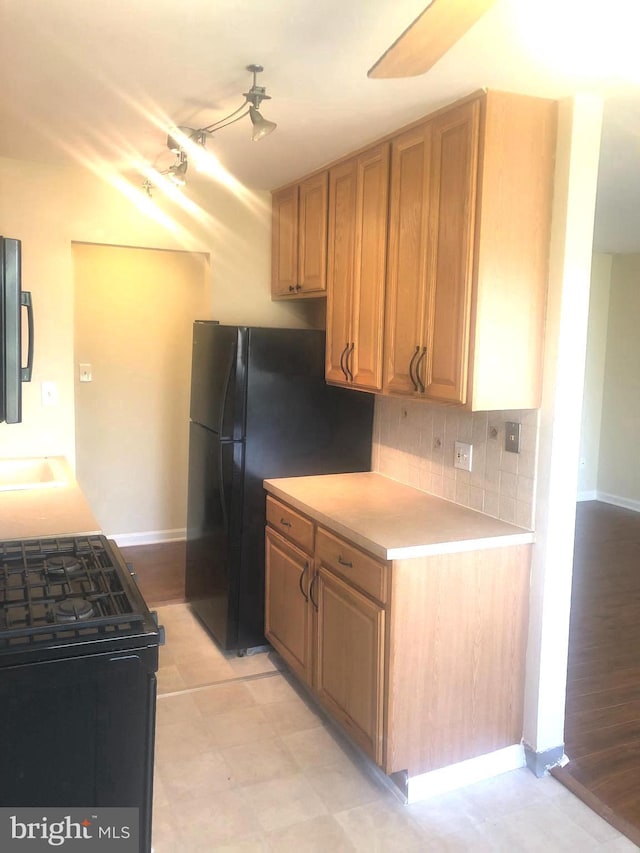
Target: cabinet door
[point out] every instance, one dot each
(406, 297)
(349, 662)
(340, 261)
(452, 214)
(287, 613)
(312, 234)
(284, 237)
(365, 359)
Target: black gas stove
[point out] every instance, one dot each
(61, 597)
(78, 661)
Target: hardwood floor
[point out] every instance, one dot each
(602, 726)
(159, 570)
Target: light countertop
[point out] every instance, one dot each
(48, 510)
(391, 520)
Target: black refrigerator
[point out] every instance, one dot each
(260, 408)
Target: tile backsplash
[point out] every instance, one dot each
(413, 442)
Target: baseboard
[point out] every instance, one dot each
(588, 496)
(465, 773)
(149, 537)
(616, 500)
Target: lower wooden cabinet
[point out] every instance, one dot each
(287, 614)
(420, 660)
(349, 655)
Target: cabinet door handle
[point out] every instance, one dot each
(342, 355)
(350, 353)
(346, 563)
(298, 287)
(423, 387)
(313, 581)
(285, 523)
(292, 289)
(304, 571)
(411, 376)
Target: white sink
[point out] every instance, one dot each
(31, 474)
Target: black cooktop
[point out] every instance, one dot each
(70, 593)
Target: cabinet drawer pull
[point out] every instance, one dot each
(285, 523)
(411, 376)
(346, 563)
(313, 581)
(303, 573)
(423, 387)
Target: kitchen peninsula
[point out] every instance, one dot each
(406, 617)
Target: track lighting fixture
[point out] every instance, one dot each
(250, 106)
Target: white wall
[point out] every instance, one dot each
(579, 129)
(49, 207)
(594, 376)
(619, 461)
(134, 311)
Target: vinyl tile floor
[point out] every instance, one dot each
(245, 762)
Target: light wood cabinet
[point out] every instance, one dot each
(421, 660)
(358, 190)
(349, 660)
(469, 228)
(407, 299)
(437, 248)
(299, 239)
(288, 573)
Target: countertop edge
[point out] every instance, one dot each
(410, 552)
(47, 512)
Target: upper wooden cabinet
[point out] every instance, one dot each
(469, 230)
(406, 295)
(438, 237)
(299, 239)
(358, 191)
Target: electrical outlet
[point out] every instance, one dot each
(462, 455)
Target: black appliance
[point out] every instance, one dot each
(12, 299)
(260, 408)
(78, 657)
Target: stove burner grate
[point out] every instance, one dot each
(73, 610)
(62, 565)
(51, 589)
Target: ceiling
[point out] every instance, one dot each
(102, 82)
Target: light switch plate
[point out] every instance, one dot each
(462, 455)
(512, 436)
(85, 373)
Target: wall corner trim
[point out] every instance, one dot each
(540, 762)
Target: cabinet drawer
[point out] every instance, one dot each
(353, 565)
(290, 523)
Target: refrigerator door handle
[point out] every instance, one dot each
(221, 489)
(25, 301)
(225, 391)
